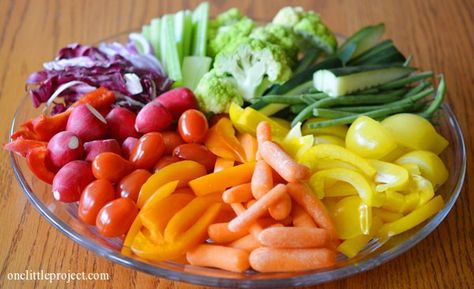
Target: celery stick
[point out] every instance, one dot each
(155, 36)
(169, 52)
(188, 33)
(179, 33)
(194, 67)
(200, 19)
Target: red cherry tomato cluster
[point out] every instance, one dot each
(100, 156)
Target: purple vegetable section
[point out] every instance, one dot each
(110, 65)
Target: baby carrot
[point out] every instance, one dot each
(250, 203)
(266, 259)
(219, 233)
(301, 218)
(264, 133)
(315, 208)
(237, 194)
(227, 258)
(293, 237)
(262, 179)
(245, 219)
(282, 209)
(282, 163)
(247, 243)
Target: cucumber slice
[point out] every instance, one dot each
(361, 41)
(341, 81)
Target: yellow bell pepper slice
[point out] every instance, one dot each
(358, 181)
(246, 120)
(411, 202)
(385, 215)
(323, 152)
(352, 217)
(184, 218)
(282, 122)
(368, 138)
(339, 189)
(155, 219)
(351, 247)
(430, 165)
(220, 181)
(335, 130)
(424, 188)
(196, 234)
(295, 144)
(391, 176)
(222, 142)
(183, 171)
(329, 139)
(412, 219)
(413, 131)
(394, 201)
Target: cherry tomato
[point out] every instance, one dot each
(130, 185)
(193, 126)
(111, 166)
(196, 152)
(164, 161)
(171, 139)
(116, 217)
(95, 196)
(148, 150)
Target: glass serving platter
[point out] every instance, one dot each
(63, 216)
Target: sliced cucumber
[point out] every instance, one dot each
(361, 41)
(342, 81)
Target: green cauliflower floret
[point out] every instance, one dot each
(228, 28)
(309, 26)
(279, 35)
(255, 65)
(215, 93)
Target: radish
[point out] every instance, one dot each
(153, 117)
(64, 147)
(178, 100)
(70, 181)
(95, 147)
(128, 145)
(87, 123)
(121, 123)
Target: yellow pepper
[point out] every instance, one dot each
(246, 120)
(415, 132)
(323, 152)
(386, 215)
(339, 189)
(369, 139)
(219, 181)
(430, 165)
(183, 171)
(221, 141)
(196, 234)
(412, 219)
(394, 201)
(329, 139)
(352, 217)
(354, 245)
(358, 181)
(424, 188)
(335, 130)
(295, 144)
(185, 217)
(411, 202)
(391, 176)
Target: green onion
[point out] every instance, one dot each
(438, 99)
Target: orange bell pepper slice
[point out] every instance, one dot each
(222, 164)
(218, 182)
(197, 233)
(221, 141)
(183, 171)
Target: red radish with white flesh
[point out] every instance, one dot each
(64, 147)
(87, 123)
(96, 147)
(128, 145)
(178, 100)
(121, 123)
(153, 117)
(70, 181)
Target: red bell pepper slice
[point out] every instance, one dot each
(24, 146)
(37, 162)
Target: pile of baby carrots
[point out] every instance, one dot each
(279, 225)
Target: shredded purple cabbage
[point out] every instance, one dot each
(136, 78)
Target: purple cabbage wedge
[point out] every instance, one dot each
(136, 77)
